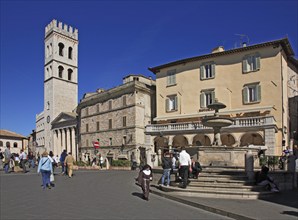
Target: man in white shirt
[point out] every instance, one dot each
(184, 166)
(23, 159)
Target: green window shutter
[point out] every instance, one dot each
(213, 69)
(176, 102)
(258, 64)
(168, 79)
(202, 100)
(244, 95)
(202, 72)
(174, 78)
(244, 65)
(167, 104)
(258, 88)
(213, 96)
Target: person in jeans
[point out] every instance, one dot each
(166, 166)
(7, 156)
(45, 168)
(62, 159)
(31, 160)
(184, 166)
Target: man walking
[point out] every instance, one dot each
(69, 161)
(62, 159)
(185, 165)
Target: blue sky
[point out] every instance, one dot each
(117, 38)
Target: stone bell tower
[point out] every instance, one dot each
(60, 74)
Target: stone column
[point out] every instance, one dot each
(73, 142)
(63, 139)
(249, 165)
(55, 142)
(68, 146)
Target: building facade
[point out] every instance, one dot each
(116, 119)
(60, 86)
(17, 142)
(252, 81)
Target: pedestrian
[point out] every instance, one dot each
(7, 157)
(31, 159)
(45, 168)
(196, 169)
(89, 160)
(62, 159)
(184, 166)
(101, 161)
(69, 161)
(166, 164)
(1, 159)
(52, 179)
(94, 162)
(12, 163)
(263, 179)
(23, 160)
(133, 161)
(144, 178)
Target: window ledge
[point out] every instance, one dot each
(171, 85)
(207, 78)
(174, 110)
(251, 103)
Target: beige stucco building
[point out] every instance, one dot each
(116, 118)
(17, 142)
(255, 82)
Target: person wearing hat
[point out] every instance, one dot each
(45, 168)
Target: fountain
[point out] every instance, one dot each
(217, 154)
(217, 122)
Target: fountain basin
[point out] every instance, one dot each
(217, 122)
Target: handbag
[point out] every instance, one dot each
(52, 179)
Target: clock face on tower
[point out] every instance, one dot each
(48, 119)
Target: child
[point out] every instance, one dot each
(144, 178)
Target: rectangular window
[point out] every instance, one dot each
(97, 126)
(110, 142)
(110, 124)
(171, 77)
(207, 97)
(87, 128)
(124, 121)
(86, 111)
(124, 140)
(172, 103)
(97, 108)
(251, 93)
(87, 143)
(251, 63)
(124, 100)
(207, 71)
(110, 105)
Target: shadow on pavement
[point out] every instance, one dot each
(286, 198)
(140, 195)
(290, 213)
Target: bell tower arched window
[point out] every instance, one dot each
(69, 74)
(60, 71)
(61, 47)
(70, 53)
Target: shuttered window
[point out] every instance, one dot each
(171, 77)
(251, 93)
(172, 103)
(207, 97)
(207, 71)
(97, 125)
(124, 121)
(251, 63)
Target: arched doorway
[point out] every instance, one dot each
(251, 138)
(160, 143)
(180, 141)
(227, 139)
(201, 140)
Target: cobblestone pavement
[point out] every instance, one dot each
(88, 195)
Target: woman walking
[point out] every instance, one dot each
(45, 168)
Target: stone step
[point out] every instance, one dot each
(212, 175)
(220, 185)
(219, 193)
(222, 180)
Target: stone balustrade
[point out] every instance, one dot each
(189, 126)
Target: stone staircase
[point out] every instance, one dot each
(219, 182)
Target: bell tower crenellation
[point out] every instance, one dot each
(58, 27)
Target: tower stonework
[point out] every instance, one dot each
(60, 78)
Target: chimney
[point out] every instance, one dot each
(218, 49)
